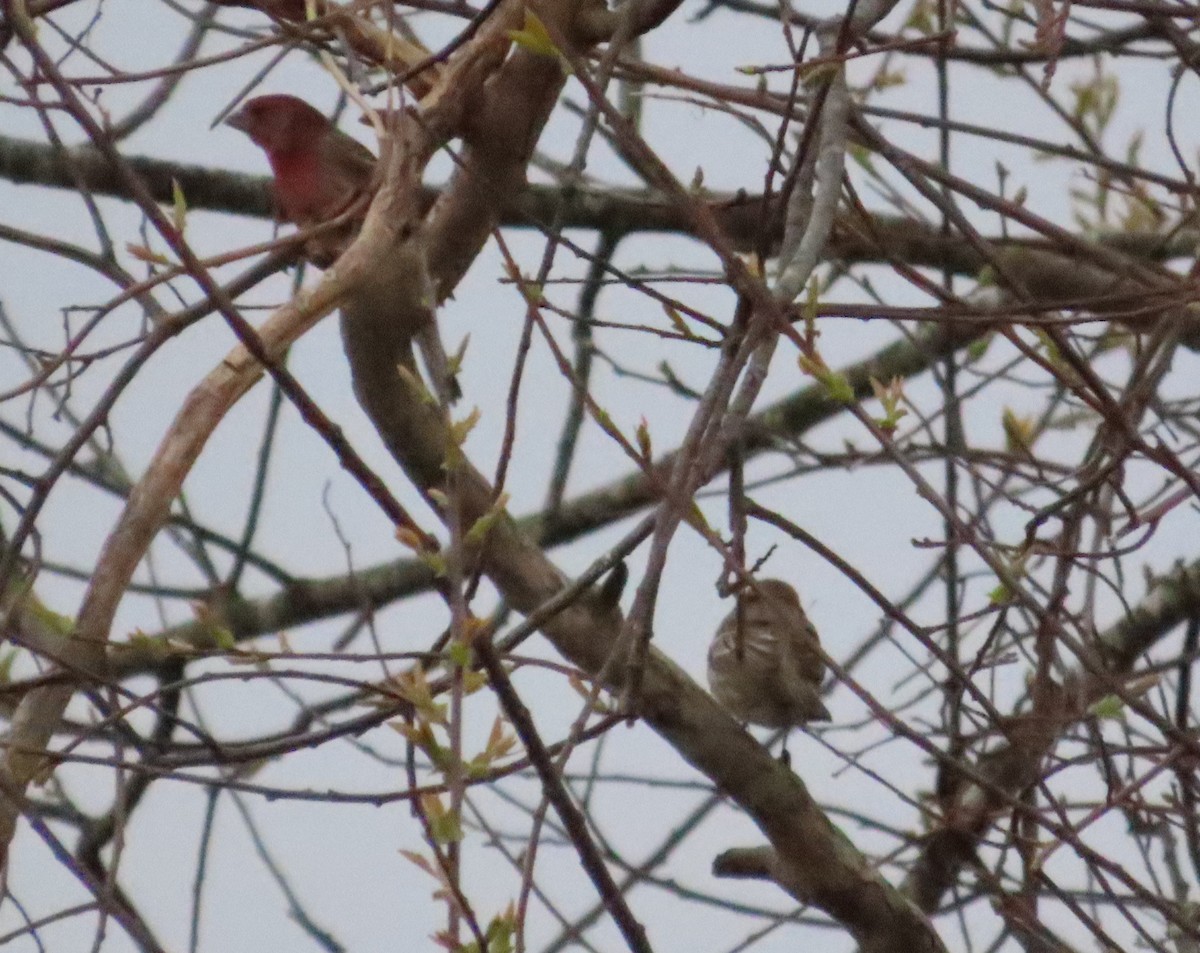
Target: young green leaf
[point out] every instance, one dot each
(533, 36)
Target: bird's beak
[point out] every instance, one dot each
(239, 120)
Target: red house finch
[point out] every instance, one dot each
(768, 669)
(319, 174)
(319, 170)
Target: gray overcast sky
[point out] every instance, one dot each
(344, 862)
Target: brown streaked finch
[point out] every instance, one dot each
(321, 173)
(765, 665)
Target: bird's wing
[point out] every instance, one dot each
(803, 646)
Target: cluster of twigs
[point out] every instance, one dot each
(1029, 401)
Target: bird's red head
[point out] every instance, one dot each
(279, 123)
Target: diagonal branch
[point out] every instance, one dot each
(817, 863)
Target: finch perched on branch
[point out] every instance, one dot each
(320, 173)
(765, 664)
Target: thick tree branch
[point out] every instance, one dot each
(818, 864)
(617, 212)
